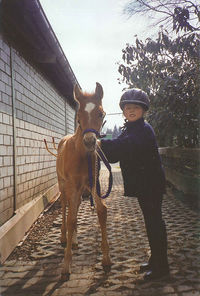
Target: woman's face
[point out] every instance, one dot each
(133, 112)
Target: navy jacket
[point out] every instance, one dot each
(137, 151)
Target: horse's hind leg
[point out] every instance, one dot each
(74, 237)
(102, 215)
(71, 227)
(63, 238)
(63, 201)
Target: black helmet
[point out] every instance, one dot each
(135, 96)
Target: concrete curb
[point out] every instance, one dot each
(12, 232)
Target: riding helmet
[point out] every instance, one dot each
(135, 96)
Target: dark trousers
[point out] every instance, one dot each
(156, 232)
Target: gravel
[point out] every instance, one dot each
(36, 233)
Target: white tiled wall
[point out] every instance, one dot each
(40, 113)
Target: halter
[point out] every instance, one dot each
(87, 130)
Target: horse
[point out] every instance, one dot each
(72, 172)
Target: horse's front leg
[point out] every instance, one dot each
(102, 216)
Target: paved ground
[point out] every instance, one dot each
(128, 248)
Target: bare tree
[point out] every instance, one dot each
(177, 15)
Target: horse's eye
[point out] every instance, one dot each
(101, 115)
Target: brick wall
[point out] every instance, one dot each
(41, 112)
(6, 135)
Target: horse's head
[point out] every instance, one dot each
(90, 114)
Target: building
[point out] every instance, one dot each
(36, 102)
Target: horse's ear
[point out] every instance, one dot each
(99, 91)
(77, 92)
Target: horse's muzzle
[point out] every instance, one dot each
(89, 141)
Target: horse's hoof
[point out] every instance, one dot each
(107, 268)
(75, 246)
(63, 244)
(65, 277)
(106, 263)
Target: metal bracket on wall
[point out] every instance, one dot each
(14, 128)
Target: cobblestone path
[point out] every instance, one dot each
(128, 249)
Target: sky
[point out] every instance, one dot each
(92, 35)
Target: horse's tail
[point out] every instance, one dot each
(54, 146)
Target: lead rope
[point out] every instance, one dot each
(96, 172)
(95, 186)
(90, 178)
(102, 156)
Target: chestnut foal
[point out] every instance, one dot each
(72, 172)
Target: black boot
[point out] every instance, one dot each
(156, 275)
(144, 267)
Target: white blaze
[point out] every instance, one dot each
(89, 107)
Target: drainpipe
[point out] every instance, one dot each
(65, 117)
(14, 128)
